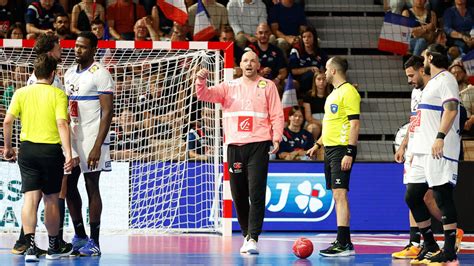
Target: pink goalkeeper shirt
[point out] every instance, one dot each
(251, 112)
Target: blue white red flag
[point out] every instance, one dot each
(174, 10)
(203, 29)
(289, 98)
(468, 62)
(395, 34)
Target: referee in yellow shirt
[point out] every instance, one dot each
(339, 138)
(42, 110)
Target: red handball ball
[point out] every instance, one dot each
(302, 248)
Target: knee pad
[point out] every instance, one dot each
(444, 199)
(414, 199)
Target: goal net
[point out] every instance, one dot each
(170, 141)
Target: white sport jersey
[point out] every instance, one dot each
(440, 89)
(415, 100)
(56, 82)
(83, 89)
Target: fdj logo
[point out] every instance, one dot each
(295, 196)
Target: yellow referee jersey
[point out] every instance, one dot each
(39, 106)
(342, 102)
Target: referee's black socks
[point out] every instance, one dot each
(343, 235)
(415, 235)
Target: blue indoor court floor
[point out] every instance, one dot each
(208, 249)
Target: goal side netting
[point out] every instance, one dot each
(166, 146)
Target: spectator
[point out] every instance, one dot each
(466, 92)
(121, 18)
(306, 59)
(16, 32)
(98, 28)
(458, 22)
(313, 104)
(144, 30)
(196, 142)
(40, 17)
(244, 18)
(227, 35)
(62, 27)
(296, 140)
(9, 15)
(84, 13)
(180, 33)
(217, 12)
(424, 31)
(161, 23)
(127, 136)
(287, 20)
(272, 61)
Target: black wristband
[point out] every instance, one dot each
(351, 150)
(440, 135)
(317, 144)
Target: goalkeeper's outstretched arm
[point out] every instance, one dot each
(214, 94)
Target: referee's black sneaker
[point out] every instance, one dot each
(442, 257)
(31, 255)
(338, 250)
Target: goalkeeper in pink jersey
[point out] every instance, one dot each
(253, 121)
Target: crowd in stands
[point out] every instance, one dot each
(276, 30)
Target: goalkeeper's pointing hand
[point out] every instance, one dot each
(203, 73)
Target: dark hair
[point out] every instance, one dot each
(295, 109)
(97, 21)
(91, 36)
(61, 14)
(228, 29)
(45, 43)
(12, 28)
(439, 54)
(414, 61)
(316, 47)
(340, 64)
(44, 65)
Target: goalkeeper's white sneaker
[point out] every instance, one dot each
(243, 248)
(252, 246)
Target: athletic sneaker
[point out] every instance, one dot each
(459, 235)
(243, 248)
(252, 246)
(442, 257)
(19, 248)
(78, 242)
(31, 255)
(338, 250)
(409, 252)
(425, 253)
(64, 250)
(90, 249)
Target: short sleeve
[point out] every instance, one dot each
(351, 102)
(31, 16)
(61, 105)
(294, 59)
(191, 141)
(104, 81)
(449, 91)
(15, 106)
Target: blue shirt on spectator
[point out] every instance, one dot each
(300, 59)
(40, 17)
(271, 58)
(289, 19)
(292, 141)
(453, 21)
(196, 141)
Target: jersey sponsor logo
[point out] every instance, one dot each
(245, 123)
(93, 68)
(262, 84)
(334, 108)
(73, 109)
(415, 121)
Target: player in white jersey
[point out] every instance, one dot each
(90, 89)
(415, 73)
(47, 44)
(436, 147)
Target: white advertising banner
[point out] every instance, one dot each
(113, 188)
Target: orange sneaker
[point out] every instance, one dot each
(409, 252)
(459, 235)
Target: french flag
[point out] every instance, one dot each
(174, 10)
(395, 35)
(468, 62)
(289, 98)
(203, 29)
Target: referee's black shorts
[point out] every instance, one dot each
(335, 177)
(41, 167)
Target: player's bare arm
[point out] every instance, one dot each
(449, 115)
(107, 107)
(400, 154)
(8, 152)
